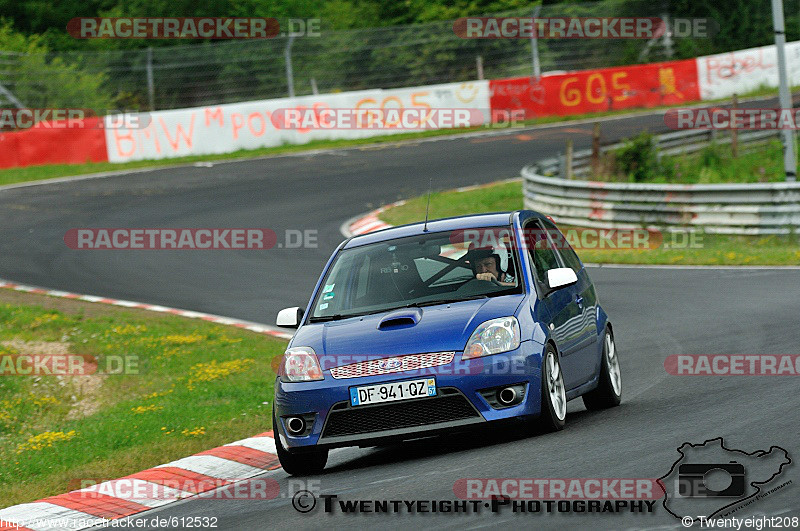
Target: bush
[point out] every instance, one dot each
(711, 156)
(40, 82)
(637, 158)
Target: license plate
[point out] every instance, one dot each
(389, 392)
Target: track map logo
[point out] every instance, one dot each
(710, 480)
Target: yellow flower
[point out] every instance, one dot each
(43, 400)
(157, 394)
(196, 432)
(145, 409)
(207, 372)
(730, 256)
(129, 329)
(44, 319)
(177, 339)
(44, 440)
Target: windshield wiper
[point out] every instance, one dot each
(334, 317)
(445, 301)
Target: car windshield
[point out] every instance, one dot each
(419, 271)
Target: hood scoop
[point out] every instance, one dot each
(402, 318)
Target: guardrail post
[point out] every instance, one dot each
(151, 89)
(537, 69)
(287, 55)
(479, 65)
(568, 159)
(595, 149)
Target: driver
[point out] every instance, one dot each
(485, 265)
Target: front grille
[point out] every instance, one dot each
(422, 412)
(408, 362)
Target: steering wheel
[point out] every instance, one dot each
(474, 285)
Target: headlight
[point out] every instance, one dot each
(300, 364)
(493, 337)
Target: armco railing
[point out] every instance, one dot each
(758, 208)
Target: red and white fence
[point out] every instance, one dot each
(250, 125)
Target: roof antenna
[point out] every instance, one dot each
(428, 206)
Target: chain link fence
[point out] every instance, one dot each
(335, 61)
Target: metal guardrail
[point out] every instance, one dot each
(757, 208)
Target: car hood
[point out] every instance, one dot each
(438, 328)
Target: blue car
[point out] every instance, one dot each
(423, 329)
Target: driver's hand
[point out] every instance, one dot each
(485, 276)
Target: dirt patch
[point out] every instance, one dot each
(85, 388)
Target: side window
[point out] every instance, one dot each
(571, 259)
(541, 250)
(566, 251)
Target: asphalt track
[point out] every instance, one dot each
(657, 312)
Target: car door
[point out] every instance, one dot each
(561, 304)
(584, 297)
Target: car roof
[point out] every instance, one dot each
(474, 221)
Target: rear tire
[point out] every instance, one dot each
(609, 389)
(554, 399)
(302, 463)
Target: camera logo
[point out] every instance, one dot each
(697, 480)
(709, 479)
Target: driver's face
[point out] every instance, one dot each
(487, 265)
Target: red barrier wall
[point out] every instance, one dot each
(52, 145)
(580, 92)
(605, 89)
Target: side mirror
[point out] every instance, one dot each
(290, 317)
(560, 277)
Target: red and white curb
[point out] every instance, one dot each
(368, 222)
(92, 506)
(238, 323)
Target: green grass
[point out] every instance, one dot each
(704, 249)
(196, 386)
(36, 173)
(715, 165)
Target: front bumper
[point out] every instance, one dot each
(458, 404)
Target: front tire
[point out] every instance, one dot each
(554, 398)
(302, 463)
(609, 390)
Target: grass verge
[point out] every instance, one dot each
(684, 249)
(187, 386)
